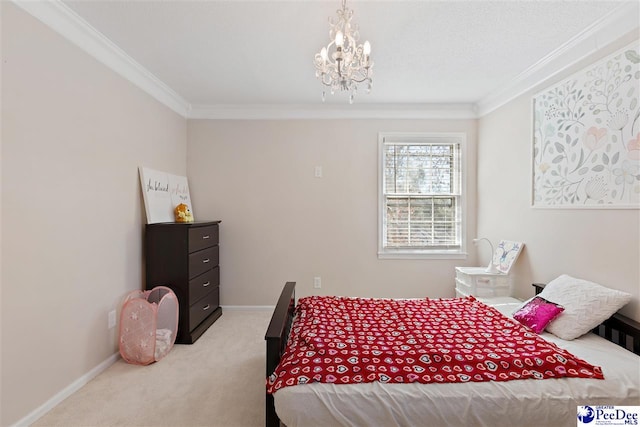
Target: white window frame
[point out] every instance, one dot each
(421, 137)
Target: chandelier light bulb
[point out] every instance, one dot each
(323, 54)
(367, 48)
(339, 39)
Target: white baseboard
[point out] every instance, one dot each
(67, 391)
(83, 380)
(248, 307)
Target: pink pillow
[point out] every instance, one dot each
(537, 313)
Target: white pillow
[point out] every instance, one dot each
(586, 305)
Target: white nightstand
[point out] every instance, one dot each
(493, 281)
(477, 282)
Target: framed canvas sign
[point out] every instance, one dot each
(162, 192)
(506, 255)
(586, 137)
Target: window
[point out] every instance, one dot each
(421, 197)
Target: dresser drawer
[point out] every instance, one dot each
(483, 289)
(203, 237)
(203, 260)
(185, 257)
(203, 308)
(203, 284)
(477, 276)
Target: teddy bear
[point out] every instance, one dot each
(183, 213)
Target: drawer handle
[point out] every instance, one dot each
(206, 260)
(206, 307)
(206, 237)
(204, 285)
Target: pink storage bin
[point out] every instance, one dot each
(148, 325)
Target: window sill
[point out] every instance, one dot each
(421, 255)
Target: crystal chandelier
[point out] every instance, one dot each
(343, 63)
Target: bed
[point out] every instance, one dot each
(513, 403)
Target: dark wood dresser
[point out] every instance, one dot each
(185, 257)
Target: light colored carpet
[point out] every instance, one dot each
(218, 381)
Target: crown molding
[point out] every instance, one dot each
(70, 25)
(611, 27)
(333, 111)
(74, 28)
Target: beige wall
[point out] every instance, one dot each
(280, 223)
(602, 245)
(73, 136)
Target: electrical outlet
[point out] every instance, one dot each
(317, 282)
(112, 319)
(318, 172)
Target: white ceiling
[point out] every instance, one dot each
(253, 53)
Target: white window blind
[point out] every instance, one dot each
(421, 194)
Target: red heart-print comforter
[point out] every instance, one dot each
(353, 340)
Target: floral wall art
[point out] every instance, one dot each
(586, 144)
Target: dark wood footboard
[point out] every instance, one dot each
(276, 339)
(618, 329)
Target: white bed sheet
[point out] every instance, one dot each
(549, 402)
